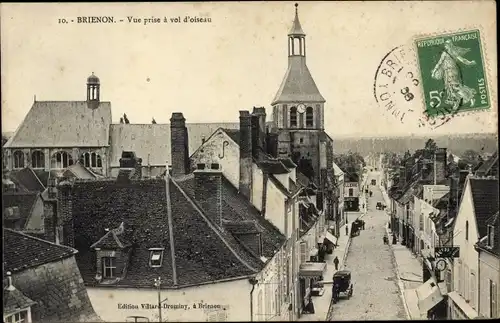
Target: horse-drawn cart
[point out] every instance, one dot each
(341, 285)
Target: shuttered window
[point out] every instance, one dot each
(472, 290)
(303, 252)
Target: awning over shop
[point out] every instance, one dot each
(312, 269)
(460, 302)
(330, 237)
(429, 295)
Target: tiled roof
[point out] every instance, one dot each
(486, 167)
(350, 177)
(302, 179)
(27, 179)
(241, 227)
(485, 199)
(22, 251)
(287, 162)
(63, 124)
(79, 171)
(13, 300)
(23, 200)
(151, 142)
(203, 253)
(337, 170)
(236, 208)
(442, 203)
(233, 134)
(298, 85)
(273, 166)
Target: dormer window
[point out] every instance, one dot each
(108, 267)
(156, 257)
(491, 236)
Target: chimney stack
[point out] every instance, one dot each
(179, 144)
(208, 190)
(440, 164)
(245, 184)
(130, 167)
(260, 113)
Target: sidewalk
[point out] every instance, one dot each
(322, 303)
(408, 272)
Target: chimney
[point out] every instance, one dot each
(272, 143)
(179, 144)
(208, 190)
(440, 164)
(64, 222)
(245, 184)
(255, 136)
(130, 167)
(260, 112)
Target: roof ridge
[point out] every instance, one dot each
(73, 250)
(31, 211)
(212, 226)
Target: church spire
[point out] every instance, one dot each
(296, 37)
(296, 29)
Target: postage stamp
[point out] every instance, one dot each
(452, 73)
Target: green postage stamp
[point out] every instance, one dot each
(452, 73)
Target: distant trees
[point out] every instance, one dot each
(392, 160)
(431, 145)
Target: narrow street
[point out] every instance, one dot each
(376, 295)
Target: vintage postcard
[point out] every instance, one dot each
(250, 161)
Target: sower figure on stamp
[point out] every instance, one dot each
(336, 262)
(448, 70)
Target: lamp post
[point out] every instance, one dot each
(158, 286)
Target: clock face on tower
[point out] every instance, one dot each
(301, 108)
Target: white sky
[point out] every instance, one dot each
(210, 71)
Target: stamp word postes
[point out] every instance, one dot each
(452, 74)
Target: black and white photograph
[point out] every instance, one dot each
(249, 161)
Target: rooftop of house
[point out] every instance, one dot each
(143, 139)
(63, 124)
(13, 299)
(77, 170)
(24, 201)
(27, 180)
(204, 252)
(22, 251)
(485, 200)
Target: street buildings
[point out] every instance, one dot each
(351, 192)
(431, 209)
(167, 218)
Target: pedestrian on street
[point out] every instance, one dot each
(363, 224)
(336, 262)
(346, 229)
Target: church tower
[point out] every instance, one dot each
(93, 91)
(298, 107)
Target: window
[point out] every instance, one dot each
(61, 159)
(472, 290)
(38, 159)
(493, 300)
(491, 236)
(156, 257)
(91, 160)
(108, 267)
(351, 192)
(277, 303)
(309, 117)
(467, 230)
(287, 279)
(293, 117)
(19, 317)
(18, 159)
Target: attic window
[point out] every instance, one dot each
(490, 236)
(156, 257)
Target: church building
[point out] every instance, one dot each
(298, 119)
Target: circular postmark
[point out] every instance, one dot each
(397, 89)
